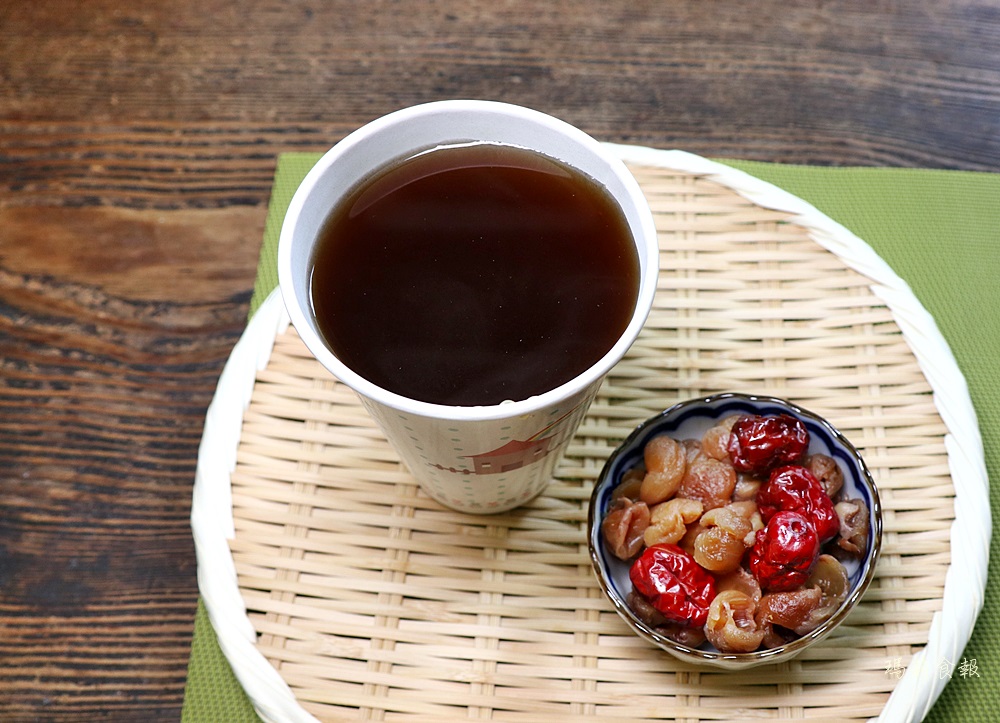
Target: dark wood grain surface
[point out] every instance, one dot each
(137, 146)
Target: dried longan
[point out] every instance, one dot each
(853, 516)
(791, 609)
(630, 484)
(715, 443)
(710, 481)
(746, 487)
(827, 471)
(729, 531)
(684, 634)
(740, 580)
(666, 464)
(668, 520)
(830, 578)
(624, 526)
(732, 626)
(717, 551)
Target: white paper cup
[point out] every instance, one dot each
(476, 458)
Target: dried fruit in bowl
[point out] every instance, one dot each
(726, 534)
(674, 584)
(760, 443)
(794, 488)
(785, 552)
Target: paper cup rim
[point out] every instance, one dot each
(371, 391)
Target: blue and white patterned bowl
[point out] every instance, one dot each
(691, 419)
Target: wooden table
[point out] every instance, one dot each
(137, 146)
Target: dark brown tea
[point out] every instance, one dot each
(473, 274)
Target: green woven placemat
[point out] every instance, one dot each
(939, 230)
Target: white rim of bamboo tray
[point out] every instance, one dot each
(917, 690)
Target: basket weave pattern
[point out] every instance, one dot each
(375, 603)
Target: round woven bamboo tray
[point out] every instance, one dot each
(340, 591)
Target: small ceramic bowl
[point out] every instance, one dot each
(690, 420)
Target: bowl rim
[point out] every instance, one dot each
(869, 562)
